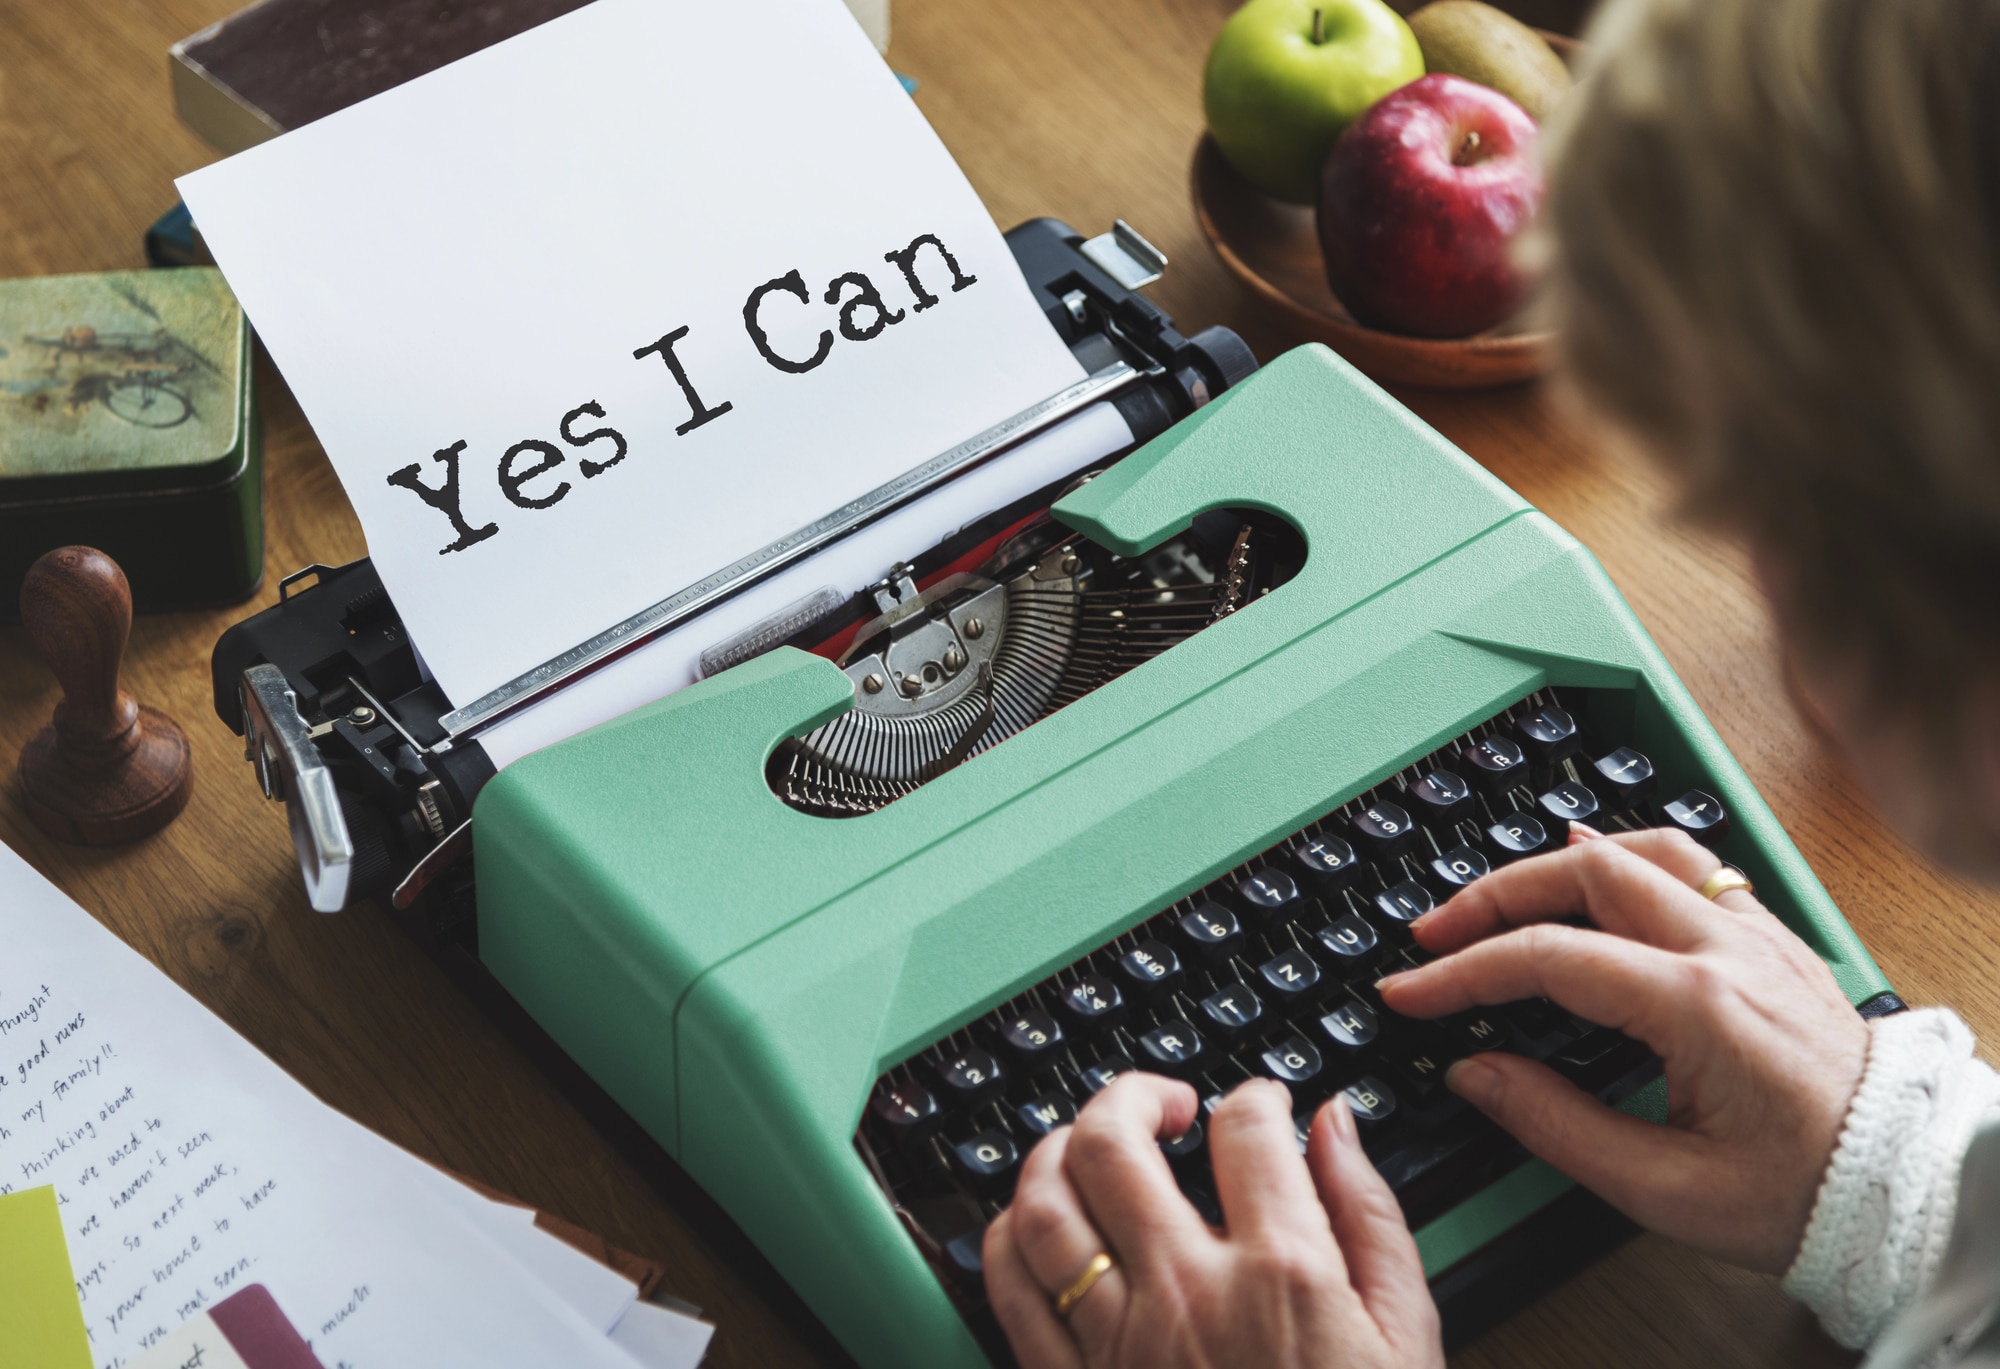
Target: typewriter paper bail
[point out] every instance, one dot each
(603, 308)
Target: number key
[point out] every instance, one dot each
(1385, 829)
(1325, 862)
(1210, 931)
(1092, 1004)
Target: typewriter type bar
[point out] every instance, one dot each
(706, 593)
(1270, 972)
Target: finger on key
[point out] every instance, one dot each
(1022, 1305)
(1607, 979)
(1673, 850)
(1057, 1240)
(1619, 891)
(1113, 1160)
(1368, 1223)
(1261, 1180)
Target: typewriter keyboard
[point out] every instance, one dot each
(1270, 972)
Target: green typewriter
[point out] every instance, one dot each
(848, 1005)
(1150, 771)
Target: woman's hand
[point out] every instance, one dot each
(1762, 1051)
(1316, 1266)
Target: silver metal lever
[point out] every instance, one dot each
(278, 743)
(616, 641)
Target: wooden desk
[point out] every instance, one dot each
(1084, 112)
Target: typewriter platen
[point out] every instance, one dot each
(1205, 734)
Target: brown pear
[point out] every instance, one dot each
(1480, 43)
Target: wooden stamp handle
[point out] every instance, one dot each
(77, 609)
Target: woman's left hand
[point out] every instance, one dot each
(1316, 1266)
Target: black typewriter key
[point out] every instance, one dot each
(1031, 1036)
(1537, 1016)
(1455, 869)
(1232, 1010)
(1404, 903)
(1476, 1031)
(987, 1160)
(1548, 735)
(1294, 1060)
(1091, 1004)
(1268, 894)
(1517, 836)
(1044, 1113)
(1440, 799)
(1627, 777)
(1210, 931)
(969, 1076)
(1150, 970)
(1420, 1063)
(1497, 763)
(1411, 957)
(1568, 802)
(967, 1254)
(1173, 1048)
(1351, 942)
(1700, 815)
(1385, 829)
(1099, 1073)
(1325, 862)
(905, 1109)
(1592, 1044)
(1293, 976)
(1351, 1027)
(1371, 1101)
(1187, 1149)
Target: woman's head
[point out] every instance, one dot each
(1776, 267)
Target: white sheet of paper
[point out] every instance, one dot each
(600, 1294)
(661, 1338)
(188, 1165)
(475, 255)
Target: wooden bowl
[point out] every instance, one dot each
(1273, 248)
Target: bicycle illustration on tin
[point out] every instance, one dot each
(139, 377)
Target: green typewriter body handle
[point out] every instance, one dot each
(737, 973)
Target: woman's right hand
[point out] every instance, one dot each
(1763, 1053)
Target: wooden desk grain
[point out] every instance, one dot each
(1083, 112)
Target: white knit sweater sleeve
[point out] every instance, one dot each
(1886, 1207)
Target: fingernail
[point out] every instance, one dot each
(1472, 1079)
(1343, 1121)
(1587, 833)
(1386, 980)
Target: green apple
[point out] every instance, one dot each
(1286, 76)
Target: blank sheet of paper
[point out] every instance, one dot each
(601, 309)
(188, 1166)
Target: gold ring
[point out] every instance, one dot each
(1725, 879)
(1099, 1265)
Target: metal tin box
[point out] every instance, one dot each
(127, 423)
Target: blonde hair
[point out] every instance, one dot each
(1772, 237)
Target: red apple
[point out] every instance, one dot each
(1418, 202)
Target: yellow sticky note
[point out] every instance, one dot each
(41, 1321)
